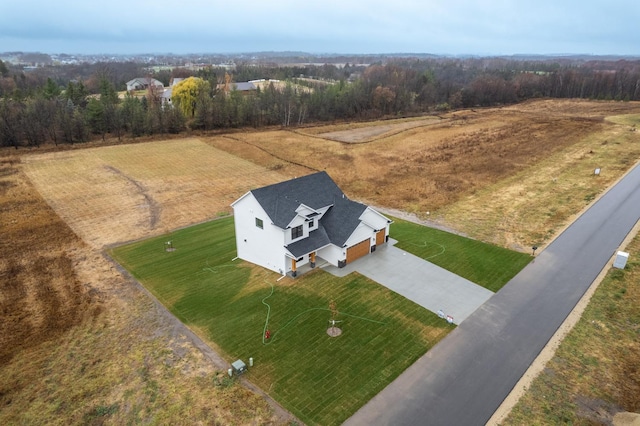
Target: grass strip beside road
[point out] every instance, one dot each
(487, 265)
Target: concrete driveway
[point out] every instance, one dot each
(426, 284)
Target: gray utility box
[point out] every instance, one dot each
(621, 260)
(239, 367)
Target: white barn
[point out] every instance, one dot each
(289, 224)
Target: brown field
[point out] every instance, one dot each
(81, 343)
(121, 193)
(513, 176)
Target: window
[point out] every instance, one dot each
(311, 222)
(296, 232)
(259, 223)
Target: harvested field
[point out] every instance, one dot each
(120, 193)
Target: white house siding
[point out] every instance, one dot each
(375, 220)
(332, 254)
(260, 246)
(361, 233)
(304, 260)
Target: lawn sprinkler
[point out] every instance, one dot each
(333, 331)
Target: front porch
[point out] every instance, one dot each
(314, 262)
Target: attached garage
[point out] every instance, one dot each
(357, 251)
(380, 237)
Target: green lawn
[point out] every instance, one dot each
(484, 264)
(322, 380)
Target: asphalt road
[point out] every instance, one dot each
(464, 378)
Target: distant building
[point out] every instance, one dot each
(143, 83)
(244, 87)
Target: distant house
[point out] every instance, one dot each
(175, 80)
(289, 224)
(244, 87)
(166, 95)
(143, 83)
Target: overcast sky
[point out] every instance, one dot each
(482, 27)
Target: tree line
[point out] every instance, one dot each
(39, 109)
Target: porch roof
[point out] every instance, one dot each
(316, 240)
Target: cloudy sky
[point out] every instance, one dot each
(482, 27)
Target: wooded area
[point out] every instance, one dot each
(75, 103)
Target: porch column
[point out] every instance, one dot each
(293, 268)
(312, 260)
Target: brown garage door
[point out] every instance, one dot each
(358, 250)
(380, 237)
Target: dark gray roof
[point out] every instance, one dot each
(316, 191)
(244, 86)
(342, 219)
(316, 240)
(281, 200)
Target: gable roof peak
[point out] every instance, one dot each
(281, 200)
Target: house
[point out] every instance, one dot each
(244, 87)
(166, 95)
(142, 83)
(297, 222)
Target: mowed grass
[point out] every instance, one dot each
(322, 380)
(485, 264)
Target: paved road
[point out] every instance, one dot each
(464, 378)
(428, 285)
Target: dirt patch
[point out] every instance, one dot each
(370, 133)
(41, 295)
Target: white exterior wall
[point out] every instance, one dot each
(361, 233)
(333, 254)
(304, 261)
(374, 219)
(264, 247)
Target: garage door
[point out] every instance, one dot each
(358, 250)
(380, 237)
